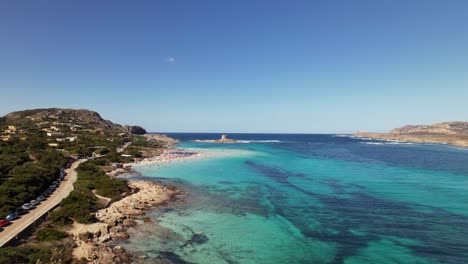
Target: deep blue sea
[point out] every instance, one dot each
(282, 198)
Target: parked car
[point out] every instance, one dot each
(20, 211)
(11, 216)
(4, 222)
(27, 206)
(40, 198)
(34, 202)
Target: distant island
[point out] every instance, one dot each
(223, 139)
(451, 133)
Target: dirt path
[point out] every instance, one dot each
(123, 147)
(64, 189)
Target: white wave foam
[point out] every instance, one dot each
(372, 143)
(343, 135)
(260, 141)
(387, 143)
(399, 143)
(246, 141)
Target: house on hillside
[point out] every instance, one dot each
(74, 127)
(54, 134)
(5, 137)
(10, 130)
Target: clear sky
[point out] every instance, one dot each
(239, 66)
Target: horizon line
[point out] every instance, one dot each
(266, 133)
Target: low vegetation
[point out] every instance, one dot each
(50, 234)
(78, 206)
(27, 168)
(51, 252)
(82, 202)
(26, 254)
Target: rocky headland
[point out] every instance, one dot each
(451, 133)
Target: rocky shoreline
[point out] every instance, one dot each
(92, 240)
(114, 220)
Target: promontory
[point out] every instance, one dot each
(451, 133)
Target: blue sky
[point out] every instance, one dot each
(239, 66)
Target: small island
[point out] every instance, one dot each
(224, 139)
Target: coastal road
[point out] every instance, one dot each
(64, 189)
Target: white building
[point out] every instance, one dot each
(54, 134)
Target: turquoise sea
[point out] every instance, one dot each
(309, 199)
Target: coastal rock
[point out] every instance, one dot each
(163, 139)
(137, 130)
(196, 239)
(114, 220)
(148, 220)
(129, 223)
(106, 255)
(118, 233)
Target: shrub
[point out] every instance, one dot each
(77, 206)
(50, 234)
(28, 255)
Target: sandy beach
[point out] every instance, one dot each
(168, 156)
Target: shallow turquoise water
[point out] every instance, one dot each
(313, 200)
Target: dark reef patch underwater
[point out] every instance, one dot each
(311, 199)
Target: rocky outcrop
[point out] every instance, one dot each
(137, 130)
(102, 254)
(163, 139)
